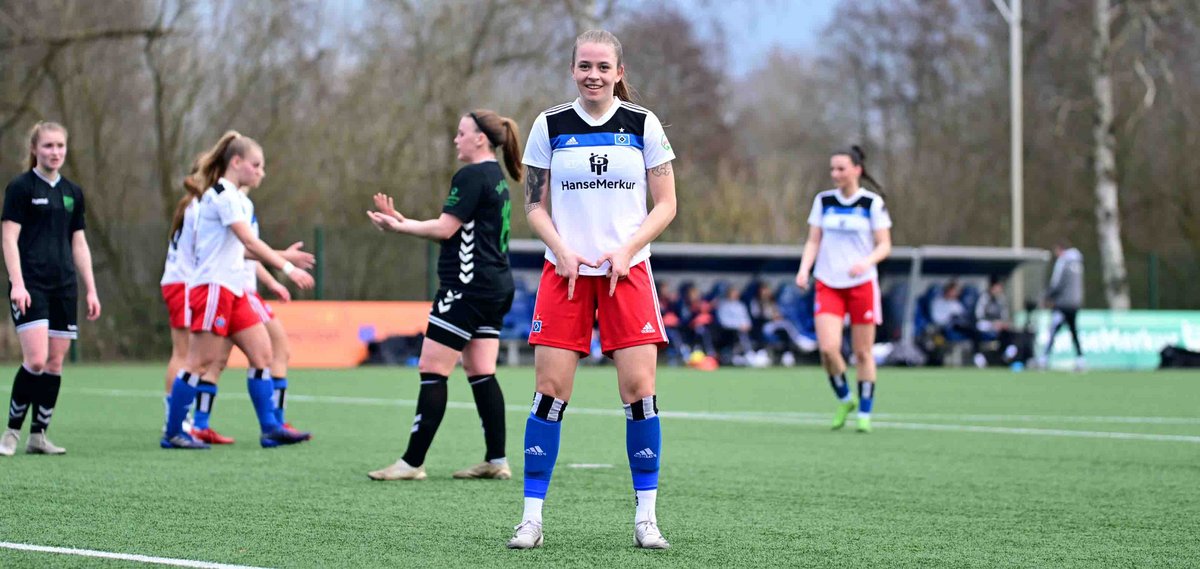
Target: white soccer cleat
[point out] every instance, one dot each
(9, 442)
(486, 470)
(39, 444)
(399, 470)
(528, 535)
(647, 536)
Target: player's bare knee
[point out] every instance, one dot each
(36, 365)
(863, 355)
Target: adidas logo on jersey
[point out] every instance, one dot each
(571, 141)
(647, 329)
(644, 453)
(537, 451)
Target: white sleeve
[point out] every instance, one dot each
(656, 149)
(230, 208)
(537, 146)
(880, 218)
(814, 218)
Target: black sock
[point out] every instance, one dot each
(47, 397)
(431, 407)
(24, 390)
(489, 401)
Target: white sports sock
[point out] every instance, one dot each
(499, 461)
(533, 510)
(645, 506)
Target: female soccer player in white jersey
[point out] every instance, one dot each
(177, 270)
(220, 311)
(849, 234)
(476, 292)
(590, 163)
(280, 349)
(44, 250)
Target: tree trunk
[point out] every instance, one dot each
(1108, 220)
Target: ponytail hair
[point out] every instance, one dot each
(208, 168)
(35, 134)
(859, 158)
(621, 90)
(501, 132)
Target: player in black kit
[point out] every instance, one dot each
(44, 249)
(476, 291)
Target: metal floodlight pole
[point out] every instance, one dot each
(1013, 16)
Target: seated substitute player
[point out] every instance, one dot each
(476, 292)
(44, 249)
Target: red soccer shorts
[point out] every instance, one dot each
(215, 309)
(175, 296)
(861, 302)
(630, 317)
(260, 306)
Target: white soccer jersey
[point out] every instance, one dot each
(847, 234)
(250, 277)
(181, 249)
(220, 255)
(597, 174)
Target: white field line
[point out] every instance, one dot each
(791, 418)
(121, 556)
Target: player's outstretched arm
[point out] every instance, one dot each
(267, 255)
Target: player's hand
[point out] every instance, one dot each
(387, 207)
(301, 278)
(618, 267)
(385, 222)
(568, 268)
(296, 256)
(859, 269)
(20, 299)
(93, 302)
(281, 292)
(802, 281)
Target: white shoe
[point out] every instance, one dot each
(399, 470)
(486, 469)
(528, 535)
(1080, 365)
(647, 536)
(9, 442)
(39, 444)
(980, 361)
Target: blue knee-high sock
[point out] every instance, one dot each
(183, 392)
(543, 430)
(643, 442)
(262, 390)
(206, 394)
(841, 388)
(866, 396)
(280, 384)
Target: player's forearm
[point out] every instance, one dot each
(809, 256)
(656, 222)
(265, 277)
(12, 254)
(539, 220)
(881, 251)
(82, 255)
(431, 229)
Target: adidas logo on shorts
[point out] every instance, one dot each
(647, 329)
(537, 451)
(644, 453)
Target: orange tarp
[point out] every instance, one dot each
(334, 334)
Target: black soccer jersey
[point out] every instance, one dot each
(475, 259)
(49, 216)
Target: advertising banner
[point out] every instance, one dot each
(1120, 340)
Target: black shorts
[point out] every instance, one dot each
(56, 310)
(456, 318)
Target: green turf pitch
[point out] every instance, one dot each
(965, 469)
